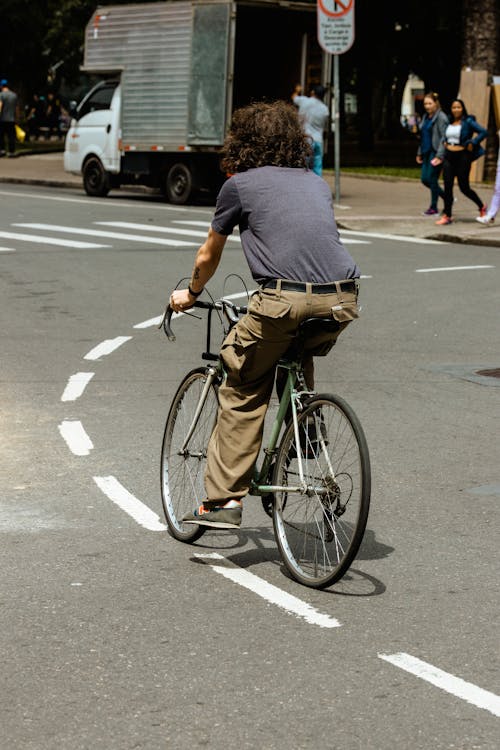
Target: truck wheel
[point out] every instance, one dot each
(95, 178)
(179, 184)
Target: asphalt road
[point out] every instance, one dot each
(115, 636)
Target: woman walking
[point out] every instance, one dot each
(489, 217)
(432, 130)
(459, 148)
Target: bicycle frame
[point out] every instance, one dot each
(291, 397)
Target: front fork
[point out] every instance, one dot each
(211, 376)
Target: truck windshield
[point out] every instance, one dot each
(99, 99)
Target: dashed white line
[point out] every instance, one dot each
(109, 235)
(7, 250)
(116, 492)
(48, 240)
(76, 385)
(450, 268)
(448, 682)
(106, 347)
(267, 591)
(76, 438)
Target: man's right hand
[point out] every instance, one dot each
(181, 299)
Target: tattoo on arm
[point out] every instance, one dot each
(196, 273)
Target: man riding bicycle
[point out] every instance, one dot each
(292, 246)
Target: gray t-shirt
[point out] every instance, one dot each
(8, 102)
(286, 223)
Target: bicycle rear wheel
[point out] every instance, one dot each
(319, 529)
(183, 469)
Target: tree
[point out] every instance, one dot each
(22, 29)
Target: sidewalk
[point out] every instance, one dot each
(367, 204)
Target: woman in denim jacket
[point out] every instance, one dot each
(458, 149)
(432, 130)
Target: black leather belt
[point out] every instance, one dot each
(300, 286)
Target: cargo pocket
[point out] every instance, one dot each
(345, 312)
(269, 307)
(237, 354)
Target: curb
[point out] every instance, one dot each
(39, 182)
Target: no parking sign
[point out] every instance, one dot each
(335, 25)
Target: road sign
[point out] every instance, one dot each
(335, 25)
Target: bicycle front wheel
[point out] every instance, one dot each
(319, 523)
(183, 465)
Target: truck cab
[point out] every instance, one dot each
(92, 142)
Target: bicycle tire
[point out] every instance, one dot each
(319, 532)
(182, 487)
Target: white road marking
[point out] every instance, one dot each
(124, 203)
(76, 438)
(149, 323)
(454, 685)
(396, 237)
(154, 228)
(76, 385)
(450, 268)
(352, 241)
(47, 240)
(106, 347)
(7, 250)
(155, 321)
(136, 509)
(267, 591)
(110, 235)
(194, 223)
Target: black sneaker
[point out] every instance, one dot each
(227, 516)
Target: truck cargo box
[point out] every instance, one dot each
(185, 64)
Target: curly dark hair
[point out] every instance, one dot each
(265, 134)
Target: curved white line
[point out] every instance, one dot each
(76, 385)
(106, 347)
(130, 504)
(76, 438)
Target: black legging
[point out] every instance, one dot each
(457, 164)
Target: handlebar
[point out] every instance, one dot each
(229, 309)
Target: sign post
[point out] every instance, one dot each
(336, 36)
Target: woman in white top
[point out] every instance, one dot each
(489, 218)
(460, 147)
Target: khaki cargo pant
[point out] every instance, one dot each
(250, 353)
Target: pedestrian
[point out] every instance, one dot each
(35, 116)
(8, 106)
(432, 130)
(292, 247)
(494, 206)
(53, 116)
(458, 149)
(314, 114)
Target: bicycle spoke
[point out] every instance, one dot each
(183, 466)
(319, 529)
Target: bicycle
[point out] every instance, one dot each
(314, 480)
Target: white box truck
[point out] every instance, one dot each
(172, 73)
